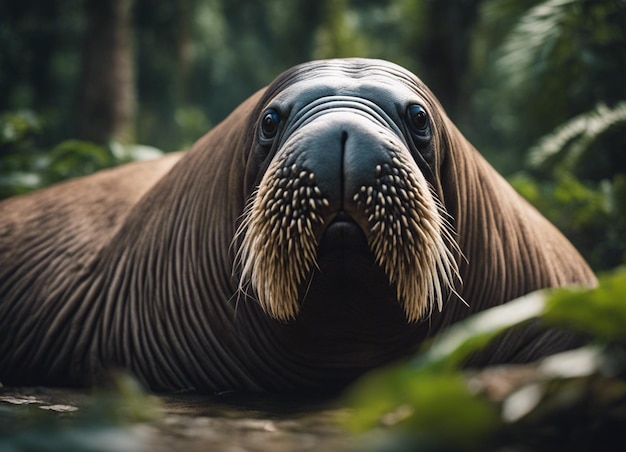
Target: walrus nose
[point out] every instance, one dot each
(347, 151)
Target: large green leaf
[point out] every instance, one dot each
(600, 312)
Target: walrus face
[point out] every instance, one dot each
(347, 157)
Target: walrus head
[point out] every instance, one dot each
(345, 161)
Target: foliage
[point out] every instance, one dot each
(438, 410)
(578, 169)
(600, 312)
(26, 166)
(570, 147)
(559, 58)
(429, 403)
(580, 183)
(591, 215)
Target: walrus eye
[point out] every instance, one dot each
(418, 121)
(269, 124)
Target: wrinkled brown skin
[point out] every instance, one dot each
(133, 268)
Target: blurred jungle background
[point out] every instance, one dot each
(537, 86)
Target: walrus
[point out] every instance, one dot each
(331, 224)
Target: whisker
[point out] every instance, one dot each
(277, 247)
(411, 237)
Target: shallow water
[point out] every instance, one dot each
(51, 419)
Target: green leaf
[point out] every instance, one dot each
(438, 407)
(452, 346)
(600, 312)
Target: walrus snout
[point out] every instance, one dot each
(346, 151)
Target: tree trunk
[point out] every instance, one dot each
(106, 92)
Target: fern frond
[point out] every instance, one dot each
(568, 142)
(531, 41)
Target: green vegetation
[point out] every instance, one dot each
(558, 98)
(574, 400)
(26, 166)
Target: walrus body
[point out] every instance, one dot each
(329, 225)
